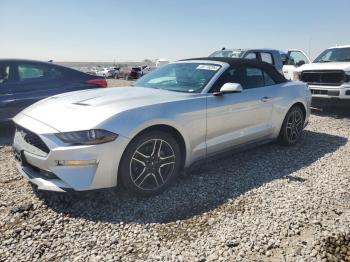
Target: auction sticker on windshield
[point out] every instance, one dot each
(208, 67)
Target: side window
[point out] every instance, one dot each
(33, 71)
(4, 73)
(268, 81)
(296, 58)
(250, 56)
(28, 71)
(248, 77)
(254, 77)
(267, 57)
(231, 75)
(52, 73)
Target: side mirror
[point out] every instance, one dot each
(300, 63)
(229, 88)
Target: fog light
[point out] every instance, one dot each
(77, 162)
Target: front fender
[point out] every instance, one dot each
(187, 117)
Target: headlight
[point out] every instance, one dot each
(87, 137)
(296, 76)
(347, 76)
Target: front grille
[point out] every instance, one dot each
(319, 92)
(325, 92)
(324, 77)
(33, 139)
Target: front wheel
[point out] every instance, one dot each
(150, 163)
(292, 126)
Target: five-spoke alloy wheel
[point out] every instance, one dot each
(150, 163)
(292, 127)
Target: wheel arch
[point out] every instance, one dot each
(301, 105)
(170, 130)
(296, 103)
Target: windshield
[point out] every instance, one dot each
(227, 53)
(180, 77)
(334, 55)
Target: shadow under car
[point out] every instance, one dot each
(219, 180)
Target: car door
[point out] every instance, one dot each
(295, 58)
(34, 81)
(6, 84)
(238, 118)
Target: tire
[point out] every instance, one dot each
(150, 163)
(292, 127)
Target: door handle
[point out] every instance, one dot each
(266, 98)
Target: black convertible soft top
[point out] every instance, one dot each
(234, 62)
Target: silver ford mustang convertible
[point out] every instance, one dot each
(144, 135)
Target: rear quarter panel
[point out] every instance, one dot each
(291, 93)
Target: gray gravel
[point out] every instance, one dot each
(270, 203)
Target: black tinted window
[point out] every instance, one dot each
(4, 73)
(268, 80)
(37, 71)
(248, 77)
(254, 77)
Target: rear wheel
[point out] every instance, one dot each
(292, 127)
(150, 163)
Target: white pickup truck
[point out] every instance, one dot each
(285, 62)
(329, 75)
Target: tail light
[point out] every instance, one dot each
(98, 82)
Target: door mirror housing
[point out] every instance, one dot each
(300, 63)
(229, 88)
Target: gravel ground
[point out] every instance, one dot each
(118, 82)
(270, 203)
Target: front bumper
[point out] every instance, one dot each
(44, 171)
(339, 92)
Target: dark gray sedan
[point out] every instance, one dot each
(23, 82)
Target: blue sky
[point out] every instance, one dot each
(107, 30)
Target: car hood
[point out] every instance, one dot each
(83, 110)
(326, 66)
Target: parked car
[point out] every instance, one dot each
(329, 74)
(130, 73)
(107, 72)
(145, 134)
(23, 82)
(113, 71)
(285, 62)
(147, 70)
(104, 71)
